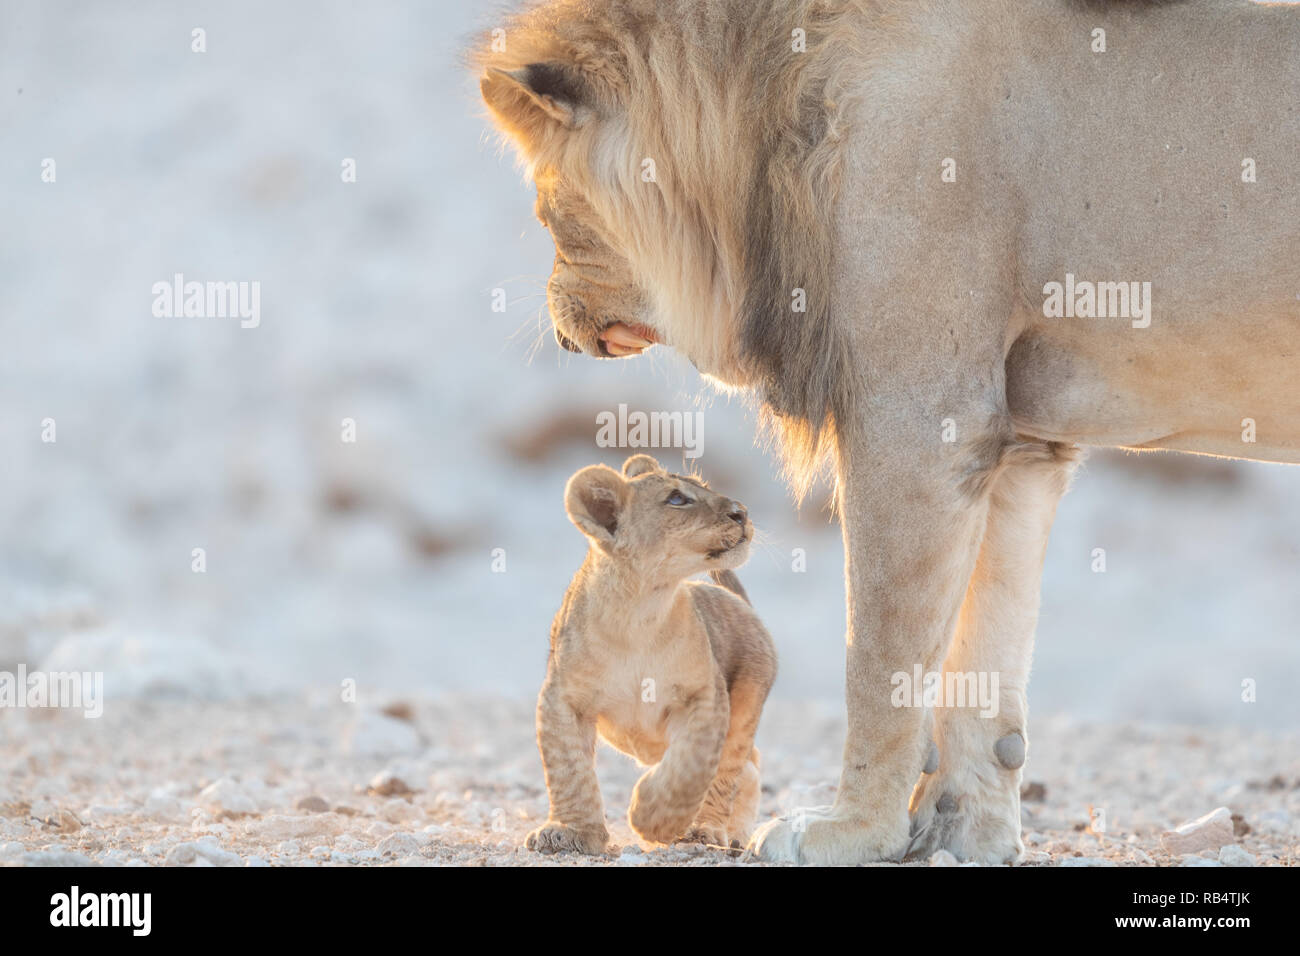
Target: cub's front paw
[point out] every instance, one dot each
(707, 835)
(554, 837)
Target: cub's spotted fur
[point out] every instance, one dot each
(671, 671)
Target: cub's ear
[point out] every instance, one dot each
(532, 100)
(594, 499)
(640, 465)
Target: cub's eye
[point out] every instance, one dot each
(677, 498)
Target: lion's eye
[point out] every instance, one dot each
(677, 498)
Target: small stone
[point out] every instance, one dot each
(1087, 861)
(183, 854)
(226, 798)
(393, 781)
(1239, 825)
(201, 853)
(378, 829)
(1033, 792)
(1034, 838)
(399, 845)
(165, 809)
(56, 858)
(373, 734)
(1234, 855)
(942, 858)
(1210, 832)
(399, 710)
(1191, 859)
(1010, 751)
(632, 856)
(63, 820)
(256, 861)
(277, 828)
(215, 854)
(312, 804)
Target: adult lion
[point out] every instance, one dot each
(943, 242)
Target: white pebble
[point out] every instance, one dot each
(1233, 855)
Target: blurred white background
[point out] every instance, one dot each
(373, 560)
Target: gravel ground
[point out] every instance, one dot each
(311, 782)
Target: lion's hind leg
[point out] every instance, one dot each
(969, 802)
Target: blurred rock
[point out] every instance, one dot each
(1210, 832)
(226, 798)
(373, 734)
(1233, 855)
(312, 804)
(136, 666)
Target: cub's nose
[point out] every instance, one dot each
(736, 512)
(566, 343)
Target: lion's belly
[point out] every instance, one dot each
(1206, 387)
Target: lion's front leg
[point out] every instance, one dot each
(970, 803)
(914, 509)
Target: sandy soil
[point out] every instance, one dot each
(307, 782)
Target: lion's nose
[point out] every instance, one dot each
(736, 512)
(566, 343)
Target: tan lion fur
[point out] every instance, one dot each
(670, 671)
(925, 361)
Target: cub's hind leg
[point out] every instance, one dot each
(744, 810)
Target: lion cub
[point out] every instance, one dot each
(670, 671)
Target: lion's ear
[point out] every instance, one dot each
(594, 499)
(640, 465)
(535, 99)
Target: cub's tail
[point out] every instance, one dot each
(728, 580)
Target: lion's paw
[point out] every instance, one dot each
(971, 811)
(822, 837)
(557, 838)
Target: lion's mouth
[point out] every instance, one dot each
(621, 340)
